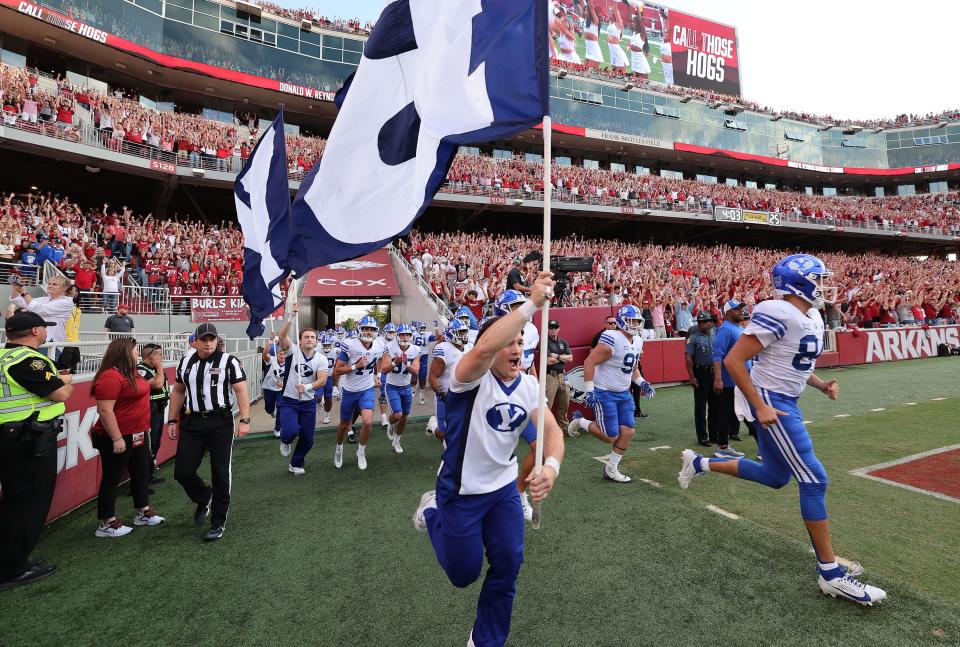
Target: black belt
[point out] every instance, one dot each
(209, 414)
(560, 372)
(704, 367)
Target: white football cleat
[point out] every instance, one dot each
(687, 471)
(396, 445)
(527, 508)
(336, 392)
(428, 500)
(285, 449)
(573, 428)
(431, 426)
(611, 473)
(846, 586)
(299, 471)
(276, 433)
(326, 417)
(338, 457)
(383, 420)
(390, 433)
(362, 460)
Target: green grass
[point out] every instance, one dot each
(656, 66)
(331, 558)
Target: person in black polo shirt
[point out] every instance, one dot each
(209, 381)
(558, 354)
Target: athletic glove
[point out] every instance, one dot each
(589, 395)
(646, 389)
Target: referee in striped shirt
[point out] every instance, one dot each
(208, 384)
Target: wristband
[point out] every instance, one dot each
(353, 367)
(244, 421)
(528, 308)
(172, 422)
(554, 463)
(639, 381)
(588, 386)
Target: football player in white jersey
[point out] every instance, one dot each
(328, 347)
(357, 363)
(305, 372)
(507, 302)
(400, 360)
(786, 337)
(607, 373)
(476, 508)
(466, 318)
(389, 335)
(445, 355)
(421, 339)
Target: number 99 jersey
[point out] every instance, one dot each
(792, 342)
(616, 373)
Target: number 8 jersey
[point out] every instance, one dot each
(792, 342)
(616, 373)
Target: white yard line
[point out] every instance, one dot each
(723, 513)
(878, 409)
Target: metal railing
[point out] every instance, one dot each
(145, 301)
(439, 305)
(27, 275)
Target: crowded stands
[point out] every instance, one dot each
(672, 283)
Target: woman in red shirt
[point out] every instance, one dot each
(121, 435)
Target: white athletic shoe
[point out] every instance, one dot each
(383, 420)
(326, 417)
(298, 471)
(285, 449)
(338, 457)
(527, 508)
(362, 460)
(113, 528)
(391, 434)
(846, 586)
(148, 517)
(396, 445)
(336, 392)
(431, 426)
(276, 433)
(613, 474)
(687, 470)
(573, 428)
(470, 642)
(428, 500)
(421, 398)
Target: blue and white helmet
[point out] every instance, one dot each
(326, 342)
(507, 301)
(464, 315)
(341, 333)
(457, 333)
(352, 334)
(802, 275)
(419, 326)
(404, 335)
(630, 320)
(368, 328)
(483, 321)
(390, 331)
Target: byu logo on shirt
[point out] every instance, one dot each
(305, 370)
(506, 417)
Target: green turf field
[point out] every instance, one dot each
(331, 558)
(653, 56)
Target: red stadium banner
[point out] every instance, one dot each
(705, 53)
(367, 276)
(218, 309)
(873, 345)
(78, 463)
(77, 27)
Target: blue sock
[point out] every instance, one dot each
(700, 465)
(830, 570)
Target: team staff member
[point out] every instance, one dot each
(558, 354)
(30, 419)
(699, 358)
(150, 368)
(727, 422)
(209, 382)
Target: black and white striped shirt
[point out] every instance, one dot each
(209, 382)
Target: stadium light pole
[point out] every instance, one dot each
(545, 315)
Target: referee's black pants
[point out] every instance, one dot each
(198, 436)
(705, 405)
(28, 482)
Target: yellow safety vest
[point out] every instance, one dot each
(17, 403)
(163, 393)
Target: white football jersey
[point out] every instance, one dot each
(399, 375)
(616, 373)
(307, 368)
(484, 422)
(450, 355)
(273, 376)
(361, 379)
(331, 356)
(792, 342)
(422, 341)
(531, 341)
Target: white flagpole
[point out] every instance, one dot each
(545, 314)
(298, 356)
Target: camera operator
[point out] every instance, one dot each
(515, 278)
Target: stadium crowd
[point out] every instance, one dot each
(348, 25)
(672, 283)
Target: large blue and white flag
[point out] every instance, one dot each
(435, 74)
(262, 194)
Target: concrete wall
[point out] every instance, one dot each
(412, 302)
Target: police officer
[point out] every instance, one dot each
(151, 369)
(209, 382)
(699, 356)
(31, 411)
(558, 354)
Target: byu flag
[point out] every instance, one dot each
(262, 195)
(434, 74)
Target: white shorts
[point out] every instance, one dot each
(593, 52)
(668, 72)
(569, 57)
(638, 63)
(618, 57)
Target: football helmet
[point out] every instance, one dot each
(368, 328)
(630, 320)
(508, 301)
(803, 275)
(404, 335)
(390, 332)
(341, 333)
(326, 343)
(456, 333)
(419, 326)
